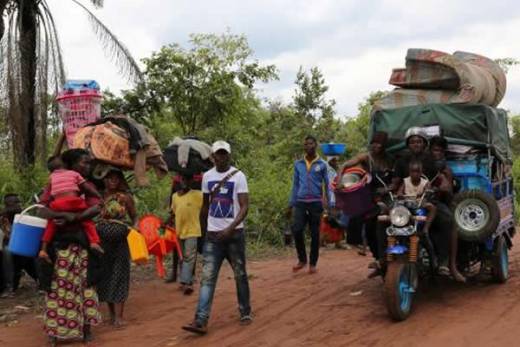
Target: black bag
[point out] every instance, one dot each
(195, 163)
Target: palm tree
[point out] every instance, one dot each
(31, 66)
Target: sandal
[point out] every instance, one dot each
(443, 270)
(246, 319)
(196, 328)
(188, 290)
(377, 272)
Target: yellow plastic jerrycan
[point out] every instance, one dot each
(137, 246)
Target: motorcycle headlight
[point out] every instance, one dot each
(400, 216)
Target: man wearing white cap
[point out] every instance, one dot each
(226, 201)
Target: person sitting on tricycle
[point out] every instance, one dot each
(414, 186)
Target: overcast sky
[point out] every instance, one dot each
(355, 43)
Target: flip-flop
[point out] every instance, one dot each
(443, 271)
(196, 328)
(246, 320)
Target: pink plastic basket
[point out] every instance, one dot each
(78, 108)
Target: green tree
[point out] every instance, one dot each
(507, 63)
(312, 111)
(515, 138)
(201, 86)
(355, 131)
(32, 65)
(309, 96)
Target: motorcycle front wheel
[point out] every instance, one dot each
(399, 289)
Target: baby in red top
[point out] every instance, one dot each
(65, 189)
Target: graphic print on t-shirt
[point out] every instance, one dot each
(222, 204)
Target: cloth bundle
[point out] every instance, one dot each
(122, 142)
(188, 156)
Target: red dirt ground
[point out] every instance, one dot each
(336, 307)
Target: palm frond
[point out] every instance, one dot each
(115, 48)
(97, 3)
(49, 73)
(58, 66)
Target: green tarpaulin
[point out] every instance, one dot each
(472, 124)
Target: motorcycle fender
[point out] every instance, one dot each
(397, 250)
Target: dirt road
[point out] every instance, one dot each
(336, 307)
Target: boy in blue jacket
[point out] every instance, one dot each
(310, 181)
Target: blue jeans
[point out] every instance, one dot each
(189, 258)
(214, 253)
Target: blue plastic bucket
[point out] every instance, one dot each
(333, 148)
(26, 234)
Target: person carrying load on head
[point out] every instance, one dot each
(75, 271)
(310, 179)
(178, 184)
(186, 208)
(333, 225)
(65, 187)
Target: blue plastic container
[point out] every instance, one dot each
(81, 85)
(333, 148)
(26, 234)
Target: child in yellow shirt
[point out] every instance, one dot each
(186, 206)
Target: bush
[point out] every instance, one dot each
(30, 182)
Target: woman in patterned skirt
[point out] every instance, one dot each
(71, 303)
(118, 212)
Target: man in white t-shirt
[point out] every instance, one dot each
(226, 201)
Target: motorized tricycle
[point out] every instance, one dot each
(479, 155)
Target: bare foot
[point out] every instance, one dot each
(45, 256)
(119, 324)
(457, 276)
(298, 267)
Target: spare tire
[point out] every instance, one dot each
(476, 215)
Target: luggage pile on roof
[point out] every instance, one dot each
(434, 77)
